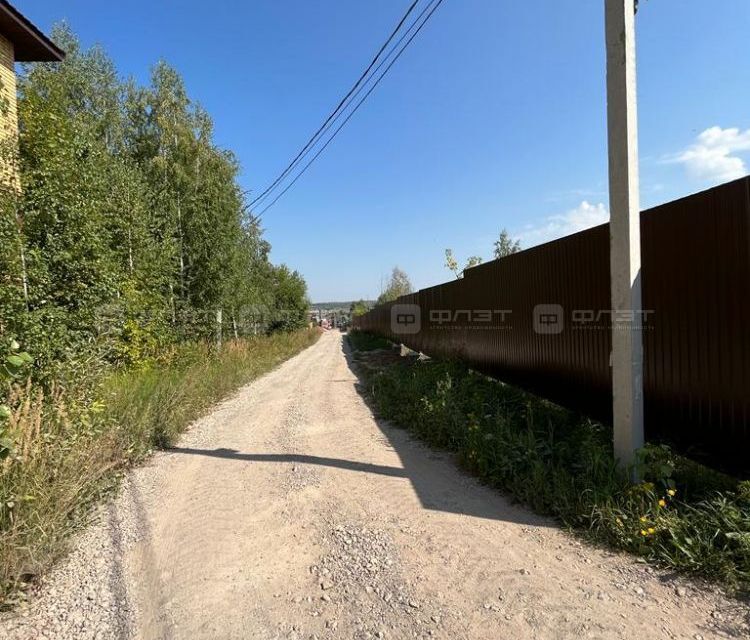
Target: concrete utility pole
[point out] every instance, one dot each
(624, 230)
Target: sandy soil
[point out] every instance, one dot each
(290, 512)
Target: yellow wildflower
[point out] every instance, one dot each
(644, 532)
(671, 492)
(651, 530)
(644, 519)
(662, 503)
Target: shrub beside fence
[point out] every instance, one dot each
(541, 319)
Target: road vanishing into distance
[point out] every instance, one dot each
(292, 512)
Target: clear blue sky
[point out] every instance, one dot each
(494, 117)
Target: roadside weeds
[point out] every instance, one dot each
(682, 516)
(69, 447)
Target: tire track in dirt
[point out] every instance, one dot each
(212, 506)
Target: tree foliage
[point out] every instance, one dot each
(130, 230)
(505, 245)
(398, 285)
(290, 302)
(452, 264)
(359, 308)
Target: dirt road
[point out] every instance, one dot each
(290, 512)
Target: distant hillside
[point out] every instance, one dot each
(338, 305)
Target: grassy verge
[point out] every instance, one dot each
(363, 341)
(683, 515)
(67, 448)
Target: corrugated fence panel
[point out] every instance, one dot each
(696, 301)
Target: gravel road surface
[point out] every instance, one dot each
(291, 512)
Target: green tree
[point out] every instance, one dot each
(505, 245)
(452, 264)
(398, 285)
(131, 230)
(66, 166)
(290, 303)
(358, 308)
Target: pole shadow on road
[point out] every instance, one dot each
(337, 463)
(434, 475)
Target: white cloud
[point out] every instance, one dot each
(584, 216)
(713, 157)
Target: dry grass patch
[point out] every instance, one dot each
(66, 447)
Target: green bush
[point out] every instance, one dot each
(681, 515)
(12, 364)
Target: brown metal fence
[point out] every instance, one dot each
(696, 306)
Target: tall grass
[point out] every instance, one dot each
(155, 404)
(68, 446)
(682, 515)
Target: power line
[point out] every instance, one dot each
(324, 129)
(315, 136)
(358, 105)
